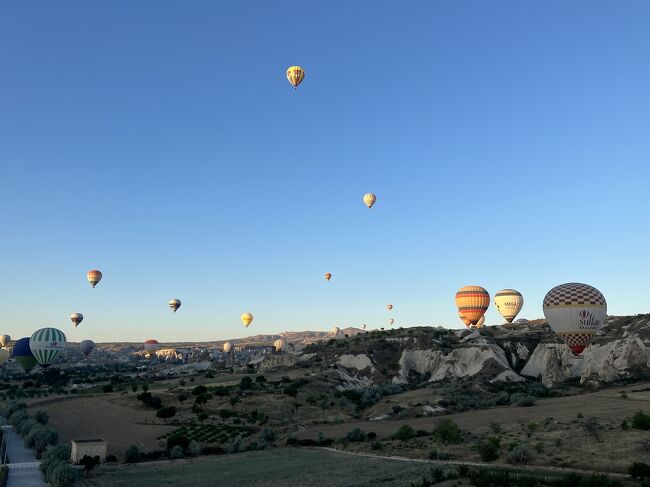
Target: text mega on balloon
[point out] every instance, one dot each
(509, 303)
(575, 312)
(472, 302)
(47, 344)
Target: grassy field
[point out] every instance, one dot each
(270, 468)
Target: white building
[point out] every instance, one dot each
(81, 448)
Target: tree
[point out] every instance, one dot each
(132, 455)
(260, 379)
(63, 476)
(641, 421)
(199, 390)
(166, 412)
(42, 417)
(52, 458)
(40, 437)
(145, 387)
(246, 383)
(488, 450)
(404, 433)
(639, 470)
(593, 428)
(447, 431)
(182, 397)
(89, 463)
(134, 387)
(201, 400)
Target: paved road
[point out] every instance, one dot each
(21, 475)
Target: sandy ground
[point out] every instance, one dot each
(100, 417)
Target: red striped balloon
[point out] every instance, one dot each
(472, 302)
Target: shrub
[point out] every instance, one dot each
(156, 402)
(356, 435)
(198, 390)
(40, 437)
(291, 390)
(52, 458)
(268, 435)
(260, 378)
(522, 400)
(182, 397)
(132, 455)
(221, 391)
(520, 454)
(177, 439)
(404, 433)
(246, 383)
(63, 476)
(641, 421)
(377, 445)
(176, 452)
(107, 388)
(624, 425)
(448, 431)
(488, 450)
(89, 463)
(42, 417)
(639, 470)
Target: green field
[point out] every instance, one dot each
(270, 468)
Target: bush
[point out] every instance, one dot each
(641, 421)
(488, 450)
(377, 445)
(107, 388)
(52, 458)
(522, 400)
(176, 452)
(40, 437)
(42, 417)
(132, 454)
(246, 383)
(268, 435)
(182, 397)
(356, 435)
(63, 476)
(166, 412)
(639, 470)
(520, 454)
(177, 439)
(221, 391)
(448, 431)
(89, 463)
(291, 390)
(260, 378)
(198, 390)
(404, 433)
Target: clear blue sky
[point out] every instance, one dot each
(508, 143)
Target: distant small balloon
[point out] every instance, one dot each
(336, 330)
(76, 318)
(391, 321)
(389, 307)
(174, 304)
(363, 327)
(295, 75)
(247, 319)
(328, 276)
(4, 340)
(94, 277)
(369, 199)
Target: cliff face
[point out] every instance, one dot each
(513, 352)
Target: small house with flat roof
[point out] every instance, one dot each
(81, 448)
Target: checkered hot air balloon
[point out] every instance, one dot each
(46, 345)
(509, 303)
(575, 312)
(472, 302)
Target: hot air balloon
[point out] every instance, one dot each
(23, 354)
(328, 276)
(472, 302)
(151, 346)
(336, 330)
(228, 347)
(369, 199)
(47, 344)
(247, 319)
(174, 304)
(389, 307)
(575, 312)
(363, 327)
(509, 303)
(4, 340)
(279, 344)
(76, 318)
(295, 75)
(94, 277)
(86, 346)
(4, 355)
(480, 322)
(391, 321)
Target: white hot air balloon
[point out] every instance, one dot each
(279, 344)
(76, 318)
(228, 347)
(575, 312)
(363, 327)
(4, 340)
(174, 304)
(336, 330)
(509, 303)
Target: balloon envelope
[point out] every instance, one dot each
(94, 277)
(363, 327)
(4, 340)
(336, 330)
(23, 354)
(472, 302)
(480, 322)
(86, 346)
(47, 344)
(389, 307)
(228, 347)
(575, 312)
(247, 319)
(295, 75)
(328, 276)
(174, 304)
(76, 318)
(369, 199)
(279, 344)
(391, 321)
(509, 303)
(151, 346)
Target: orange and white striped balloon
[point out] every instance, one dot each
(472, 302)
(94, 277)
